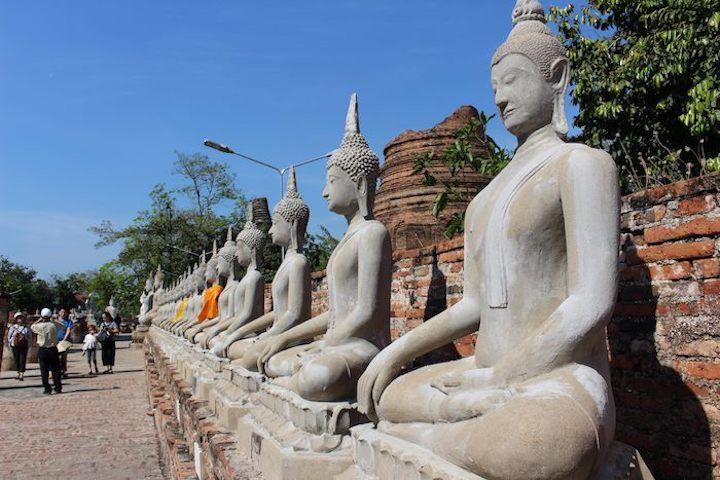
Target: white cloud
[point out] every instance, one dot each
(51, 243)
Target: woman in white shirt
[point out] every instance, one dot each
(90, 348)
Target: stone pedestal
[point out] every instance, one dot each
(377, 455)
(288, 437)
(231, 397)
(138, 336)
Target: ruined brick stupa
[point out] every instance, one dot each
(403, 203)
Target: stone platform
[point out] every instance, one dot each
(221, 419)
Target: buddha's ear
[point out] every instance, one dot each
(560, 80)
(294, 234)
(362, 196)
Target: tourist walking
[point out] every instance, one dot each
(48, 356)
(106, 337)
(19, 342)
(90, 348)
(64, 328)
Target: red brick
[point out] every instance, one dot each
(705, 370)
(696, 205)
(707, 268)
(697, 227)
(673, 251)
(452, 256)
(700, 348)
(711, 287)
(676, 271)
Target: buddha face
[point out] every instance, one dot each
(280, 231)
(244, 255)
(340, 192)
(211, 274)
(223, 266)
(523, 95)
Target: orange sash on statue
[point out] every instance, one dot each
(210, 303)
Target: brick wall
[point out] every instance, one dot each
(665, 335)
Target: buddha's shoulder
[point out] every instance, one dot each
(582, 152)
(299, 260)
(374, 229)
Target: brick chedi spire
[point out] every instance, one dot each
(403, 203)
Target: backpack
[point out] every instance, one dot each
(19, 340)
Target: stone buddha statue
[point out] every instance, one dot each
(291, 285)
(541, 251)
(359, 272)
(226, 280)
(196, 286)
(208, 304)
(248, 296)
(158, 291)
(145, 303)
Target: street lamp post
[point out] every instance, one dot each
(280, 171)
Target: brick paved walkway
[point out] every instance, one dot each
(66, 436)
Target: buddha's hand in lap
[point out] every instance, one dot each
(474, 379)
(219, 349)
(273, 346)
(382, 370)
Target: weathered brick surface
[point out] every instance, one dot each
(183, 420)
(664, 336)
(97, 429)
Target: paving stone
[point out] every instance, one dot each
(97, 428)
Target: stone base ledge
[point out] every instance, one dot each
(377, 455)
(194, 445)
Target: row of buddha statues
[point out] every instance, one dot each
(540, 275)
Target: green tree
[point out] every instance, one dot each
(462, 154)
(67, 288)
(28, 293)
(647, 81)
(164, 233)
(115, 280)
(319, 247)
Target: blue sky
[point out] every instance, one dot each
(97, 95)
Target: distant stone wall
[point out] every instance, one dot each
(664, 337)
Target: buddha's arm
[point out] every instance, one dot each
(297, 291)
(461, 319)
(374, 255)
(590, 199)
(251, 327)
(305, 331)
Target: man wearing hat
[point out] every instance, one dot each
(48, 355)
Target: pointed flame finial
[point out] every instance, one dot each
(292, 182)
(229, 234)
(352, 120)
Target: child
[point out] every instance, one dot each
(90, 348)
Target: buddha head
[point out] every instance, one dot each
(250, 242)
(148, 284)
(530, 74)
(211, 267)
(226, 256)
(159, 278)
(352, 171)
(290, 217)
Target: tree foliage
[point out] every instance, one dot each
(165, 233)
(647, 82)
(460, 155)
(319, 247)
(28, 293)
